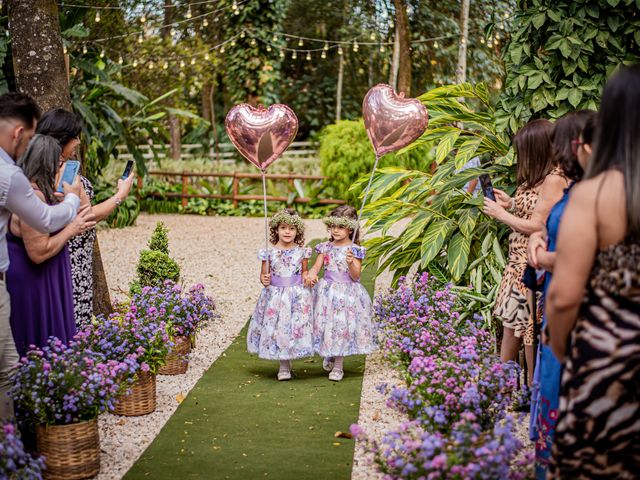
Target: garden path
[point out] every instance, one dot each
(219, 252)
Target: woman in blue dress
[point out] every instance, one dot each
(572, 146)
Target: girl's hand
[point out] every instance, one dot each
(265, 279)
(311, 280)
(492, 209)
(350, 256)
(504, 200)
(536, 241)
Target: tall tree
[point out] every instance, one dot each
(404, 45)
(461, 69)
(38, 58)
(39, 67)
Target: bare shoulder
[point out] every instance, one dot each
(553, 183)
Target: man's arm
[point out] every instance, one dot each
(22, 200)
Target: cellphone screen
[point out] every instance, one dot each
(71, 168)
(487, 187)
(127, 170)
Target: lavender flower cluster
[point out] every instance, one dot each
(15, 463)
(62, 384)
(456, 391)
(184, 312)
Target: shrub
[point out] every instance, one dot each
(154, 267)
(159, 240)
(15, 463)
(346, 155)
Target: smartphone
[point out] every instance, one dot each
(71, 169)
(127, 170)
(487, 187)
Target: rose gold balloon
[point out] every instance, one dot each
(261, 134)
(392, 121)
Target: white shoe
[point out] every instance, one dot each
(327, 363)
(284, 375)
(336, 375)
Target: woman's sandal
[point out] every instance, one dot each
(327, 363)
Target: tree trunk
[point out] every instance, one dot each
(461, 69)
(395, 61)
(40, 71)
(404, 42)
(339, 88)
(176, 137)
(206, 105)
(38, 57)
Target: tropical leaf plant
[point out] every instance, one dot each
(446, 232)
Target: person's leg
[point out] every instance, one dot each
(337, 373)
(8, 354)
(510, 345)
(284, 373)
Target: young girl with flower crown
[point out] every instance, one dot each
(343, 323)
(281, 325)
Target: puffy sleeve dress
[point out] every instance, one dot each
(343, 315)
(281, 324)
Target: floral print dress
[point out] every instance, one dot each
(343, 320)
(281, 324)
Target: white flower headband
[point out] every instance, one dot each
(287, 218)
(340, 222)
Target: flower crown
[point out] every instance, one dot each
(287, 218)
(344, 222)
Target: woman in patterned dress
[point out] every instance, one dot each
(541, 184)
(593, 303)
(66, 127)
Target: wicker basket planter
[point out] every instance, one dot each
(177, 360)
(71, 451)
(141, 400)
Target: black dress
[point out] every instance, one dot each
(81, 254)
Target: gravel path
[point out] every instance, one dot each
(221, 253)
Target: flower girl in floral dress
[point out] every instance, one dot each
(343, 323)
(281, 325)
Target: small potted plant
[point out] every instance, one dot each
(15, 463)
(184, 313)
(141, 342)
(62, 389)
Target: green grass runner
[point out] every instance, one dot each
(239, 422)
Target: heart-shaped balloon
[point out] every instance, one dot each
(261, 134)
(392, 121)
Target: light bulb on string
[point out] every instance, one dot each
(323, 54)
(135, 63)
(355, 46)
(97, 16)
(281, 54)
(340, 52)
(222, 49)
(140, 38)
(84, 49)
(173, 32)
(435, 44)
(120, 60)
(268, 48)
(326, 46)
(143, 18)
(300, 43)
(381, 48)
(64, 49)
(233, 43)
(205, 23)
(151, 65)
(102, 53)
(182, 64)
(242, 34)
(275, 38)
(490, 44)
(482, 40)
(165, 65)
(234, 6)
(253, 42)
(308, 56)
(193, 61)
(294, 55)
(206, 56)
(189, 12)
(372, 37)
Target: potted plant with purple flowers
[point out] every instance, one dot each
(61, 389)
(184, 313)
(142, 341)
(15, 463)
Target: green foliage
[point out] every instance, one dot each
(125, 214)
(447, 234)
(346, 155)
(159, 240)
(561, 53)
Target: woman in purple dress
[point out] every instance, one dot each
(39, 275)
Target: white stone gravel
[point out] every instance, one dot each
(221, 253)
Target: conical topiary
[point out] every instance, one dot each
(155, 265)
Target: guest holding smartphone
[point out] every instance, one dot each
(66, 127)
(39, 275)
(540, 186)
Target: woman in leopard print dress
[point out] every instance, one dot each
(598, 430)
(541, 184)
(66, 127)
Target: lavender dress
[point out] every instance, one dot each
(41, 297)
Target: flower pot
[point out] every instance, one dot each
(71, 451)
(142, 398)
(177, 360)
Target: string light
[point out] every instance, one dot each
(242, 34)
(135, 63)
(120, 60)
(323, 54)
(435, 44)
(253, 42)
(355, 46)
(193, 61)
(308, 56)
(294, 55)
(482, 40)
(165, 65)
(151, 65)
(64, 49)
(102, 53)
(84, 49)
(340, 52)
(372, 37)
(97, 16)
(233, 43)
(381, 48)
(189, 12)
(268, 48)
(140, 38)
(300, 43)
(281, 54)
(326, 47)
(143, 19)
(205, 23)
(182, 64)
(222, 49)
(206, 56)
(275, 38)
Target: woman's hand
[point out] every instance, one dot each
(502, 199)
(85, 220)
(124, 187)
(537, 241)
(492, 209)
(265, 279)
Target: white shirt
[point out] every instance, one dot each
(17, 196)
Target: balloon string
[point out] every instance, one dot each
(364, 199)
(266, 221)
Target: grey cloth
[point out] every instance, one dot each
(8, 354)
(17, 196)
